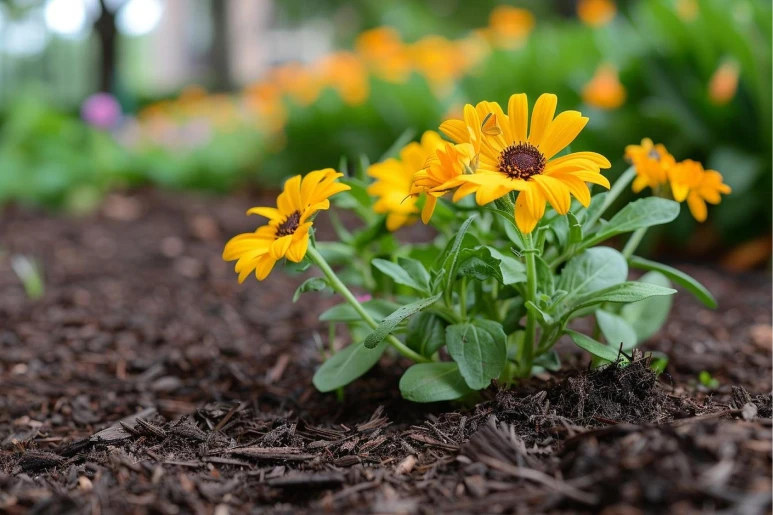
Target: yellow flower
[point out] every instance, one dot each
(287, 233)
(383, 50)
(652, 163)
(510, 26)
(515, 161)
(604, 90)
(690, 181)
(300, 83)
(724, 83)
(439, 61)
(596, 13)
(345, 72)
(394, 181)
(445, 165)
(485, 117)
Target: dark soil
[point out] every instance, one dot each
(147, 380)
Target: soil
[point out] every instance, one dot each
(147, 380)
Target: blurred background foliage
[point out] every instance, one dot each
(216, 95)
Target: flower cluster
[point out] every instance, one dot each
(497, 154)
(657, 169)
(499, 285)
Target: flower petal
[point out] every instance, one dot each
(264, 267)
(555, 192)
(518, 112)
(544, 110)
(697, 207)
(561, 132)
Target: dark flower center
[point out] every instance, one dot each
(289, 226)
(521, 161)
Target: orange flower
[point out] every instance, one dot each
(438, 59)
(604, 90)
(296, 80)
(596, 13)
(347, 74)
(384, 52)
(691, 182)
(510, 26)
(652, 163)
(724, 83)
(264, 100)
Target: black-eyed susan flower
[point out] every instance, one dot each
(724, 83)
(394, 181)
(441, 168)
(287, 233)
(484, 118)
(652, 163)
(689, 181)
(515, 160)
(604, 91)
(596, 13)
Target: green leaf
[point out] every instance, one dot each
(426, 333)
(515, 312)
(487, 262)
(594, 209)
(408, 272)
(625, 292)
(389, 323)
(596, 348)
(378, 309)
(616, 330)
(450, 261)
(575, 229)
(644, 212)
(685, 281)
(648, 316)
(310, 284)
(593, 270)
(433, 382)
(347, 365)
(545, 280)
(543, 318)
(549, 361)
(480, 349)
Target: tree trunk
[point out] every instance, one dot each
(219, 53)
(107, 34)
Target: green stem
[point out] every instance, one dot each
(342, 290)
(617, 188)
(527, 355)
(633, 242)
(463, 298)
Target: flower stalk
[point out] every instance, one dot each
(340, 288)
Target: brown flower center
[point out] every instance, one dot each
(289, 226)
(521, 161)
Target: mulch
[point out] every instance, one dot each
(146, 380)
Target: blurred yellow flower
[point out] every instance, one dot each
(384, 52)
(264, 100)
(604, 90)
(652, 163)
(510, 26)
(297, 81)
(691, 182)
(394, 181)
(724, 83)
(439, 61)
(514, 161)
(596, 13)
(287, 233)
(687, 9)
(441, 168)
(347, 74)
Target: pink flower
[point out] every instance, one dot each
(101, 110)
(364, 297)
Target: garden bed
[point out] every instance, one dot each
(147, 379)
